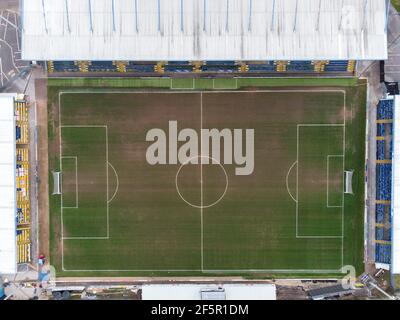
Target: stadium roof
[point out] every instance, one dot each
(204, 29)
(330, 291)
(396, 189)
(239, 291)
(8, 258)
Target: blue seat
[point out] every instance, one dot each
(383, 181)
(268, 66)
(380, 213)
(65, 66)
(299, 66)
(337, 66)
(380, 150)
(383, 253)
(385, 109)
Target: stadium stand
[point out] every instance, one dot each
(23, 215)
(380, 150)
(385, 110)
(300, 66)
(380, 130)
(267, 66)
(380, 213)
(383, 253)
(383, 181)
(62, 66)
(140, 68)
(102, 66)
(171, 67)
(382, 235)
(336, 66)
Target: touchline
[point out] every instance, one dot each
(165, 150)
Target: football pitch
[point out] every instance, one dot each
(118, 214)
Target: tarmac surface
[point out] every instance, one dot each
(392, 65)
(11, 64)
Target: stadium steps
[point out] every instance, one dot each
(319, 66)
(50, 66)
(281, 66)
(159, 67)
(120, 65)
(83, 66)
(351, 66)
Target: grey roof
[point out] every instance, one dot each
(329, 291)
(203, 29)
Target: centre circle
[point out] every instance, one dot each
(203, 174)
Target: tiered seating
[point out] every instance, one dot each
(64, 66)
(174, 68)
(50, 66)
(102, 66)
(179, 63)
(380, 150)
(380, 213)
(385, 110)
(22, 181)
(336, 66)
(380, 130)
(267, 66)
(219, 66)
(281, 65)
(140, 67)
(22, 155)
(380, 234)
(351, 66)
(384, 129)
(384, 181)
(21, 127)
(299, 66)
(202, 66)
(383, 253)
(23, 245)
(23, 215)
(220, 63)
(389, 128)
(120, 65)
(213, 69)
(319, 65)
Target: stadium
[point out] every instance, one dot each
(277, 80)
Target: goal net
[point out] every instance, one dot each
(349, 182)
(56, 184)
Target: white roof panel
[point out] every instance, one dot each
(396, 189)
(204, 29)
(8, 258)
(240, 291)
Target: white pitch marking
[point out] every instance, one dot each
(287, 181)
(297, 203)
(61, 200)
(177, 88)
(116, 189)
(201, 182)
(211, 92)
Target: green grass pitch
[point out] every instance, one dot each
(119, 215)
